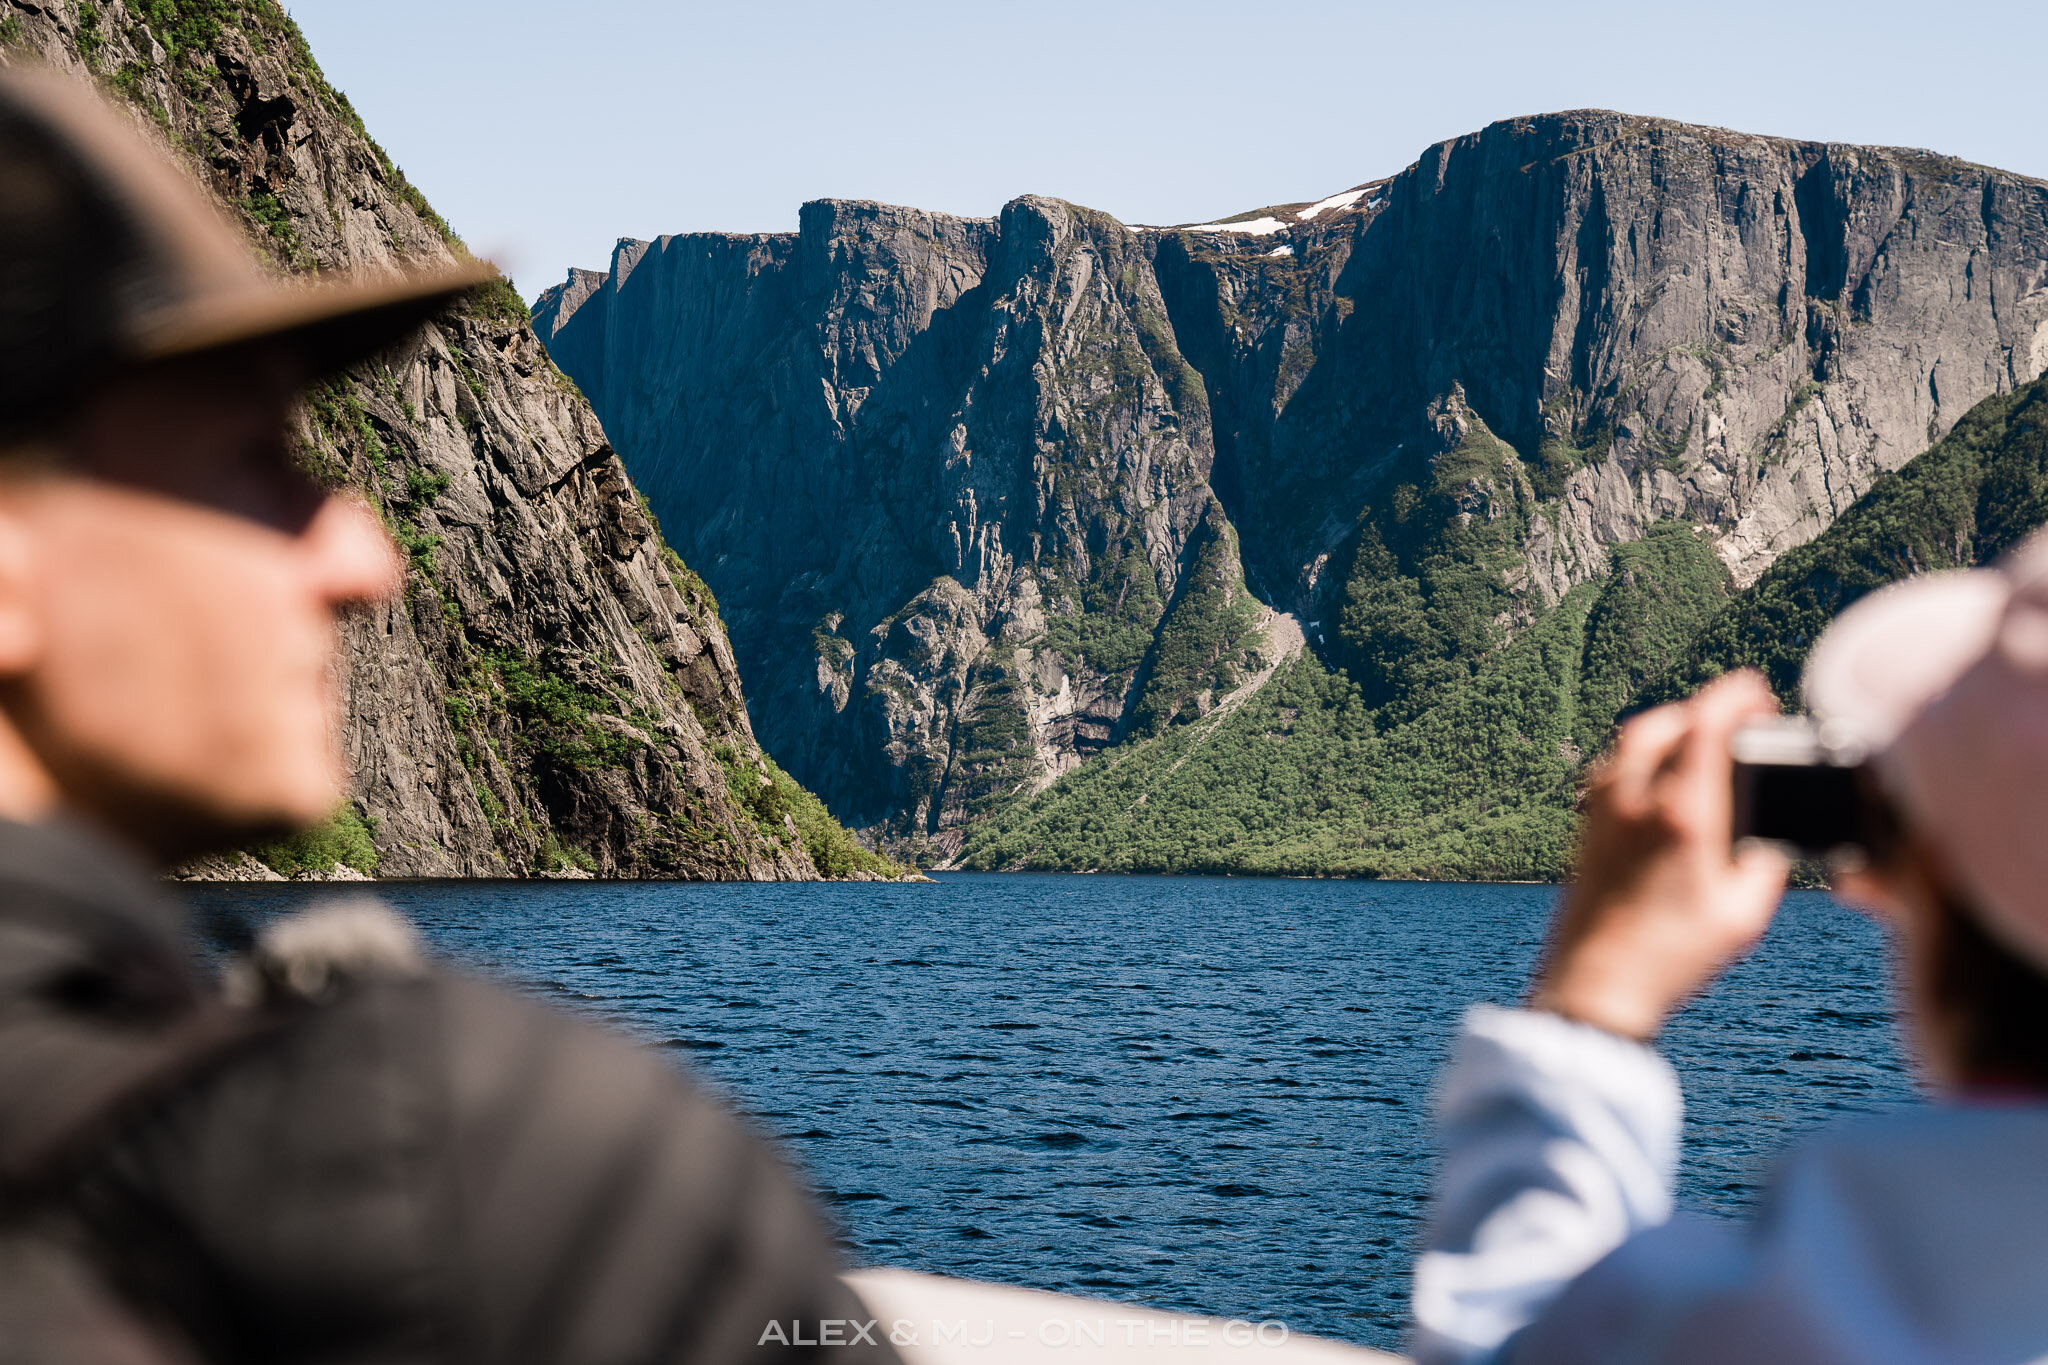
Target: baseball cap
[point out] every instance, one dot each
(111, 257)
(1943, 679)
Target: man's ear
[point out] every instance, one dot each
(21, 598)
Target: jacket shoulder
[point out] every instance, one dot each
(429, 1160)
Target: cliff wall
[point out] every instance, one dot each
(1660, 320)
(554, 691)
(949, 468)
(949, 476)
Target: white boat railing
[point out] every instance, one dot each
(935, 1320)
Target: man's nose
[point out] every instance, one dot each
(349, 555)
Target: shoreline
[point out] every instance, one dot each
(921, 878)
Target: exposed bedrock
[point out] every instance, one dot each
(946, 475)
(553, 691)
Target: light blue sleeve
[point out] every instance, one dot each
(1559, 1143)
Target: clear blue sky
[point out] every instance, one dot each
(545, 131)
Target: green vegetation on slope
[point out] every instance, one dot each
(1199, 653)
(992, 735)
(1106, 622)
(1310, 777)
(558, 719)
(347, 839)
(1425, 590)
(775, 801)
(1298, 781)
(1660, 592)
(1474, 776)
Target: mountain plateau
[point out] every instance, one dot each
(995, 504)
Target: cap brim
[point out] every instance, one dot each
(1894, 651)
(331, 323)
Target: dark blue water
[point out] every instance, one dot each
(1207, 1094)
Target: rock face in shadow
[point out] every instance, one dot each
(950, 469)
(947, 475)
(554, 691)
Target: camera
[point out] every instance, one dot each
(1809, 791)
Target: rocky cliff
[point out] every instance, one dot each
(952, 470)
(1964, 503)
(1305, 776)
(555, 692)
(952, 478)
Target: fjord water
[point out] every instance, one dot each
(1201, 1093)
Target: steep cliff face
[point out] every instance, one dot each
(1661, 320)
(947, 475)
(951, 470)
(555, 691)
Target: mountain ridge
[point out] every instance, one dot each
(947, 475)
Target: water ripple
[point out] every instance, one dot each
(1209, 1094)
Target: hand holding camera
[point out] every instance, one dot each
(1664, 900)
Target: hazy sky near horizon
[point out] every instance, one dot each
(544, 131)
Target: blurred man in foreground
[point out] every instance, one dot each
(1920, 1236)
(358, 1157)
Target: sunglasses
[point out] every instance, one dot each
(213, 431)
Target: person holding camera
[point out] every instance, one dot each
(1917, 1236)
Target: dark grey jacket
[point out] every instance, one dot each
(418, 1167)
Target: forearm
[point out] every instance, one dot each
(1559, 1143)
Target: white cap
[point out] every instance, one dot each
(1944, 678)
